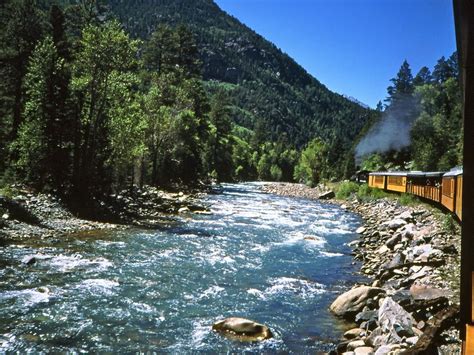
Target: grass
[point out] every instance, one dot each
(363, 192)
(408, 200)
(448, 224)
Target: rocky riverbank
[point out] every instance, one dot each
(413, 260)
(28, 214)
(298, 190)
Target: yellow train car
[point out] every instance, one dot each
(377, 180)
(458, 209)
(451, 196)
(425, 185)
(396, 181)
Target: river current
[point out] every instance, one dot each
(279, 261)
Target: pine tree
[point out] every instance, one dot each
(402, 84)
(220, 145)
(43, 143)
(423, 77)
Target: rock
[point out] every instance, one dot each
(183, 210)
(366, 316)
(242, 329)
(355, 344)
(354, 333)
(382, 250)
(202, 212)
(407, 216)
(361, 230)
(353, 301)
(394, 319)
(5, 216)
(364, 350)
(28, 260)
(383, 350)
(395, 223)
(423, 292)
(393, 240)
(408, 231)
(327, 195)
(412, 340)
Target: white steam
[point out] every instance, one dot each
(392, 132)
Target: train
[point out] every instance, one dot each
(444, 188)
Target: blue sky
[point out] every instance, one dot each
(353, 47)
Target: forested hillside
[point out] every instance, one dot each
(171, 93)
(272, 95)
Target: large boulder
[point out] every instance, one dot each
(242, 329)
(353, 301)
(394, 321)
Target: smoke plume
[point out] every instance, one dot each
(392, 132)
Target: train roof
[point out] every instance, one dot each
(454, 172)
(390, 173)
(425, 174)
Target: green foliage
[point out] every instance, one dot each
(220, 144)
(434, 118)
(272, 95)
(43, 143)
(437, 131)
(408, 200)
(373, 162)
(103, 81)
(366, 193)
(313, 164)
(346, 189)
(448, 224)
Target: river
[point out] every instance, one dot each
(277, 260)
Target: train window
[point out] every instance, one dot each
(395, 180)
(448, 185)
(378, 179)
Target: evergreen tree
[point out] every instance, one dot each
(42, 143)
(220, 145)
(21, 26)
(402, 84)
(423, 77)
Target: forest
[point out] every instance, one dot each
(93, 100)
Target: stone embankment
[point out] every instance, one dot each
(410, 306)
(412, 258)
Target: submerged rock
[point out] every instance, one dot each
(242, 329)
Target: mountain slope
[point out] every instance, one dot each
(272, 91)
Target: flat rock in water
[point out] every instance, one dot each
(327, 195)
(361, 230)
(242, 329)
(354, 333)
(354, 300)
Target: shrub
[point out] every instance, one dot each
(408, 200)
(346, 189)
(448, 224)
